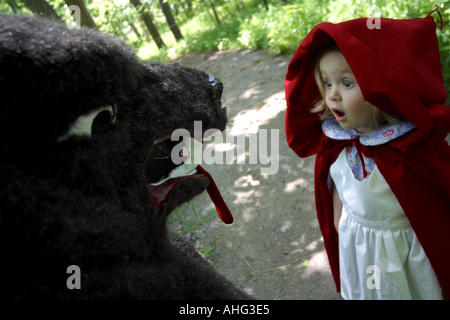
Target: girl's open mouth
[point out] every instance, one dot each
(339, 115)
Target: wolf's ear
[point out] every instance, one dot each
(83, 125)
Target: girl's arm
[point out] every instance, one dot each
(337, 207)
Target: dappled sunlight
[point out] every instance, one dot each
(286, 225)
(317, 263)
(249, 92)
(245, 181)
(248, 214)
(297, 246)
(221, 147)
(249, 290)
(243, 197)
(249, 120)
(312, 245)
(293, 185)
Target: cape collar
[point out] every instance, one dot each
(333, 130)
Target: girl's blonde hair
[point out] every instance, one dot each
(379, 117)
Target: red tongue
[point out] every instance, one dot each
(160, 194)
(214, 193)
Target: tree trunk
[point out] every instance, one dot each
(13, 5)
(135, 30)
(170, 20)
(148, 20)
(41, 9)
(240, 5)
(86, 18)
(144, 29)
(189, 9)
(215, 12)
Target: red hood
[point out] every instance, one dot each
(397, 67)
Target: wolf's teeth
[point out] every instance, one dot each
(180, 171)
(189, 166)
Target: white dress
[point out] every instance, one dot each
(380, 256)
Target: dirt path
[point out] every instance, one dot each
(274, 249)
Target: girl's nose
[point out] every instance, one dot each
(333, 94)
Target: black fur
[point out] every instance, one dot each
(83, 200)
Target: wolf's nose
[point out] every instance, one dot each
(217, 86)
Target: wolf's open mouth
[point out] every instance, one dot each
(166, 172)
(161, 189)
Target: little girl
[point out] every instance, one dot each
(369, 103)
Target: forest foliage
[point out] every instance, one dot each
(277, 26)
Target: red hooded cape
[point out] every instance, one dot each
(398, 70)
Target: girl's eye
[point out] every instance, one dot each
(327, 83)
(347, 83)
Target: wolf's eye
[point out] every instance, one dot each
(83, 125)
